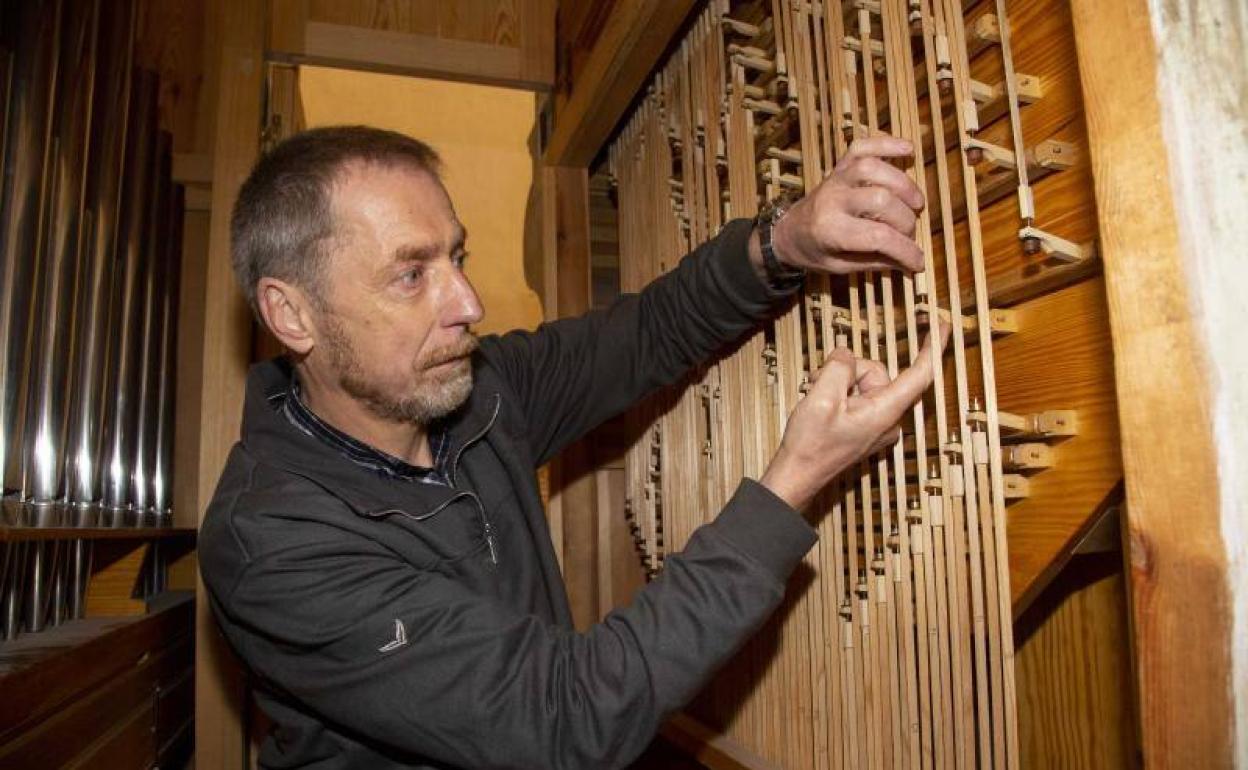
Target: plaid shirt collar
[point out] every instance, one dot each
(384, 464)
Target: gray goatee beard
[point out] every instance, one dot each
(430, 396)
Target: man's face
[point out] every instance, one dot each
(394, 326)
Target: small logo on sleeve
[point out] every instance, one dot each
(399, 640)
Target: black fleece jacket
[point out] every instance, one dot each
(391, 624)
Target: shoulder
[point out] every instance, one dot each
(255, 510)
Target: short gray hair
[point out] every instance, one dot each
(282, 220)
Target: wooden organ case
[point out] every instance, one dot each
(895, 645)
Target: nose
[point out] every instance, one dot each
(463, 306)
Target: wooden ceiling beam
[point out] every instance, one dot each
(633, 38)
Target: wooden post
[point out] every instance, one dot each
(574, 494)
(1173, 250)
(225, 354)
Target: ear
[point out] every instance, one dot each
(287, 312)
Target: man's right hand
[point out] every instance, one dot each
(834, 427)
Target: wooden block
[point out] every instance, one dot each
(1028, 456)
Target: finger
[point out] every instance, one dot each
(880, 147)
(865, 235)
(944, 327)
(838, 373)
(908, 387)
(862, 261)
(880, 205)
(871, 171)
(872, 376)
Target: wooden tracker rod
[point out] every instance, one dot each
(894, 647)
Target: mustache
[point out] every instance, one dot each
(461, 348)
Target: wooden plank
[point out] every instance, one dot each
(631, 40)
(339, 45)
(1180, 587)
(11, 534)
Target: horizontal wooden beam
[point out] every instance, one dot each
(633, 38)
(295, 36)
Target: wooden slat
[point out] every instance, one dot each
(18, 534)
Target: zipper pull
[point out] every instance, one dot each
(489, 541)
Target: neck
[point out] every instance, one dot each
(407, 441)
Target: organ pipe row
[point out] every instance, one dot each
(894, 648)
(90, 234)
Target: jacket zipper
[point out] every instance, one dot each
(485, 520)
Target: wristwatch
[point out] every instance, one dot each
(779, 276)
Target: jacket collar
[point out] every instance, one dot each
(270, 436)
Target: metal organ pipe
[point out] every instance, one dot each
(46, 407)
(163, 449)
(36, 27)
(90, 245)
(125, 317)
(103, 197)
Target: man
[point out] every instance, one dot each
(376, 551)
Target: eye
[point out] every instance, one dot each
(411, 277)
(459, 259)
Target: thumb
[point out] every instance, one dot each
(838, 374)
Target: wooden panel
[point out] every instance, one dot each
(1180, 592)
(187, 489)
(503, 42)
(1044, 46)
(72, 692)
(1075, 695)
(1061, 358)
(170, 42)
(130, 745)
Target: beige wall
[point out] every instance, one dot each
(482, 134)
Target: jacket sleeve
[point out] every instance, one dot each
(573, 374)
(480, 685)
